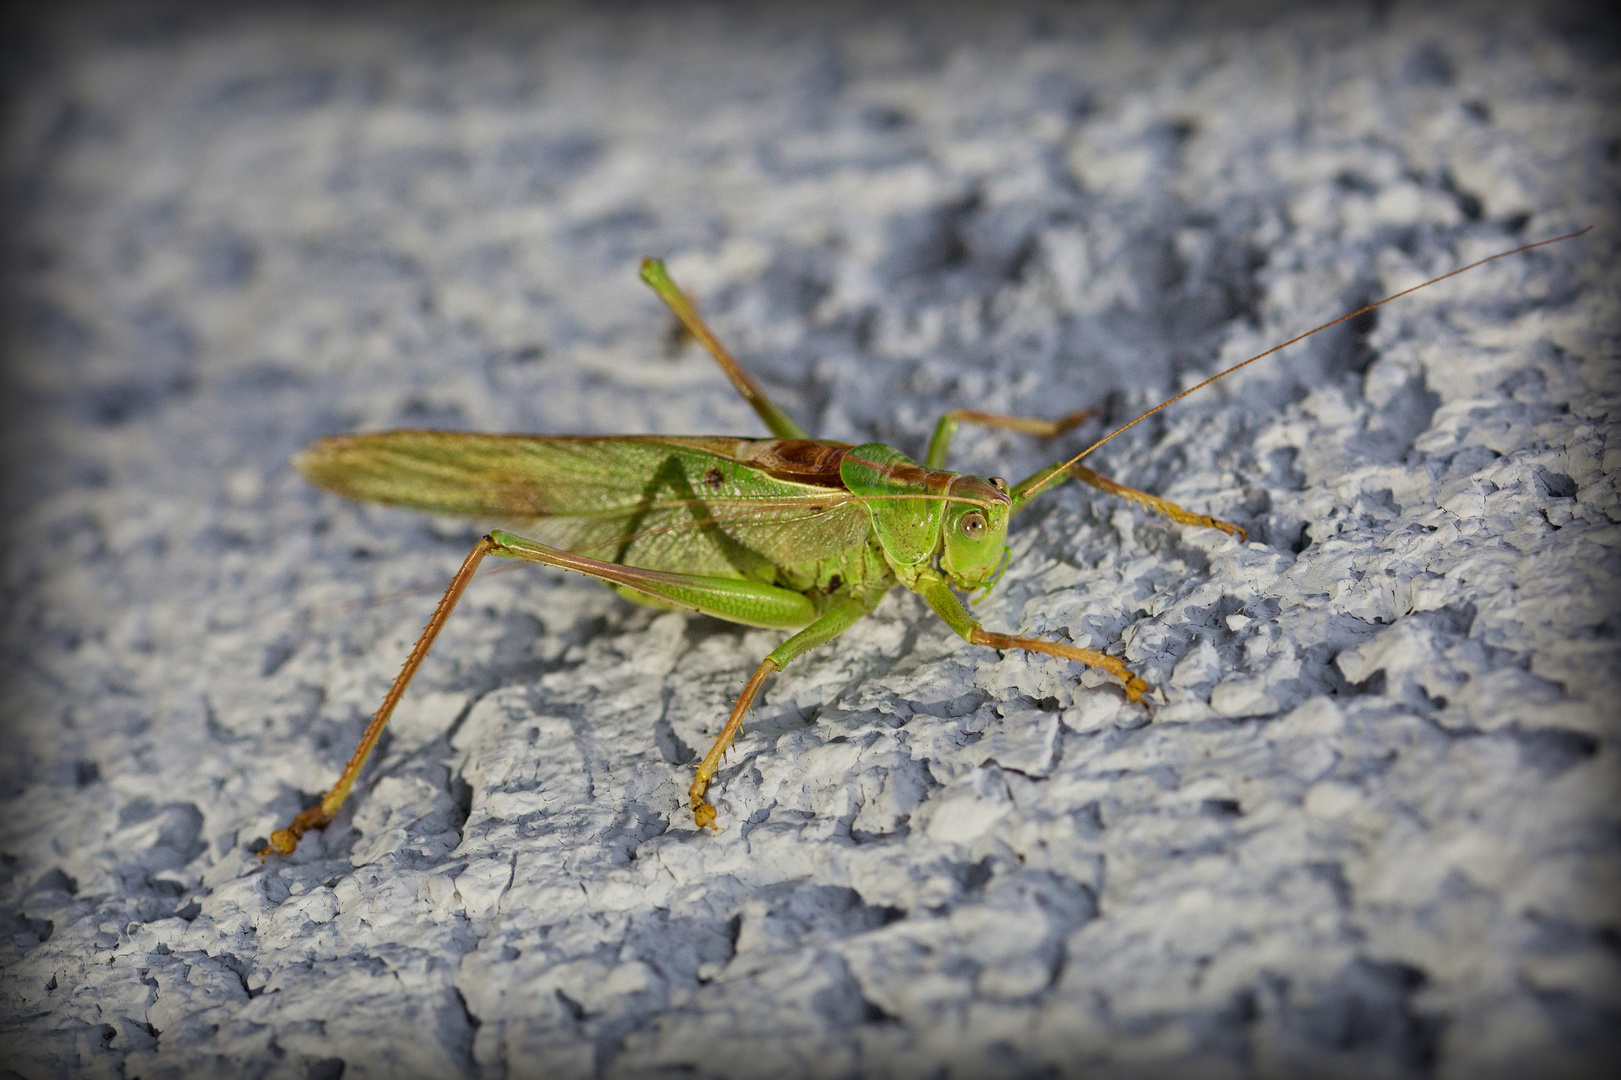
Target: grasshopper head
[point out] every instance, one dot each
(975, 532)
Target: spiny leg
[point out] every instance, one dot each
(1041, 481)
(833, 622)
(727, 598)
(940, 443)
(285, 841)
(1135, 686)
(702, 813)
(780, 423)
(749, 602)
(939, 596)
(1154, 502)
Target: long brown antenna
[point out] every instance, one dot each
(1058, 473)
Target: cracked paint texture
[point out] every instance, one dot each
(1369, 826)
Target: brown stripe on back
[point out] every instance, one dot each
(799, 461)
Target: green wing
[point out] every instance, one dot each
(690, 505)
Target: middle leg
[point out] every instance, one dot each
(833, 622)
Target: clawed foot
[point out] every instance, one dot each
(703, 815)
(1135, 687)
(285, 841)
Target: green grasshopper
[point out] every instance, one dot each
(789, 533)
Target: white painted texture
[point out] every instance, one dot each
(1369, 828)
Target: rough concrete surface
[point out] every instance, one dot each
(1368, 828)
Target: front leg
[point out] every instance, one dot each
(1048, 478)
(946, 605)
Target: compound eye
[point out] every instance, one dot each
(999, 484)
(973, 525)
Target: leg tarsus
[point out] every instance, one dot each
(285, 841)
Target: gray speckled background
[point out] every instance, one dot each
(1371, 826)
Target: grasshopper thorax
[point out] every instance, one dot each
(922, 517)
(973, 530)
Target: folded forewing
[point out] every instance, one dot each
(683, 504)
